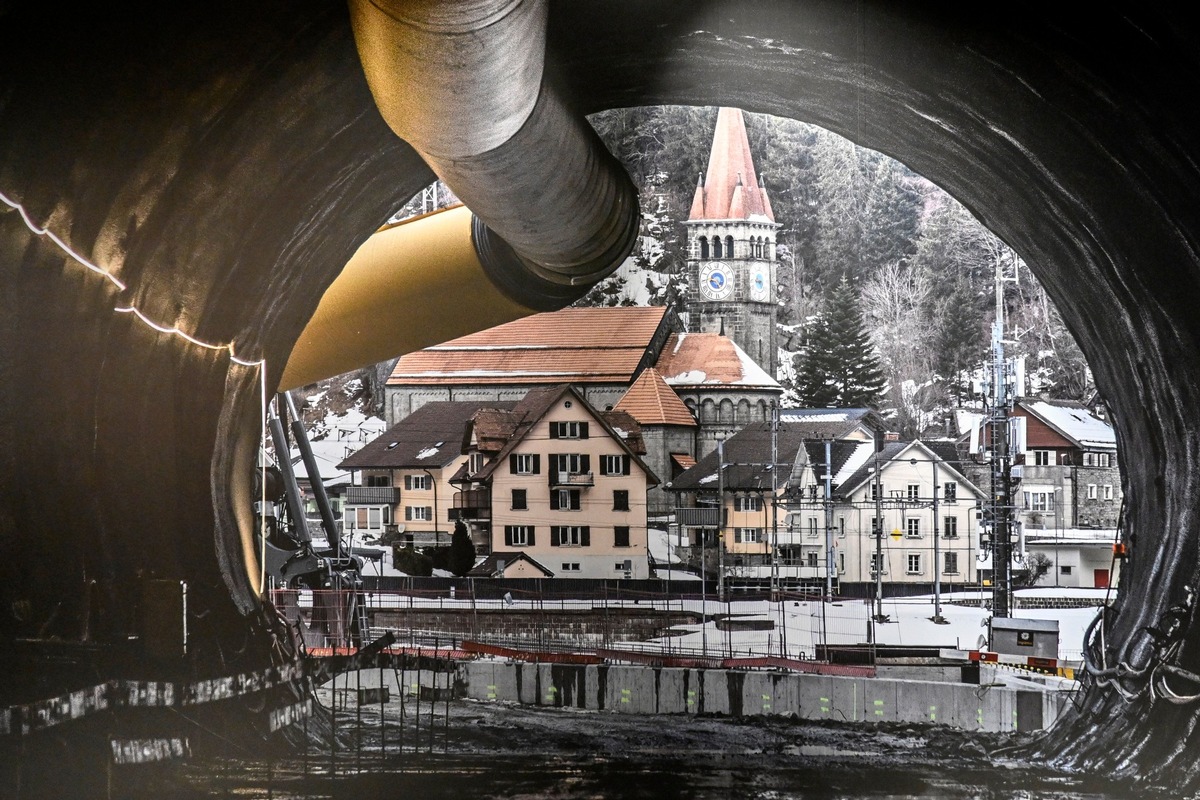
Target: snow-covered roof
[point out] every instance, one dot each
(1075, 423)
(855, 462)
(1070, 536)
(333, 439)
(331, 475)
(710, 360)
(823, 414)
(967, 420)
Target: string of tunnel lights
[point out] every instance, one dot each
(169, 330)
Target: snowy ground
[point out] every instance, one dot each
(800, 625)
(796, 627)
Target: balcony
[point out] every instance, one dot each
(559, 478)
(702, 517)
(372, 495)
(473, 504)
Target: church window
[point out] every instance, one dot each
(704, 247)
(729, 247)
(716, 247)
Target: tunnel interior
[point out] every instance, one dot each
(219, 163)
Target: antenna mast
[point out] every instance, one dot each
(1000, 503)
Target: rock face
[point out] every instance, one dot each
(223, 160)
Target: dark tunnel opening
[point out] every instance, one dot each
(224, 163)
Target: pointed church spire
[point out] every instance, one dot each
(730, 166)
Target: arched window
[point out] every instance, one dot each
(726, 411)
(729, 247)
(716, 247)
(759, 247)
(704, 247)
(708, 411)
(743, 411)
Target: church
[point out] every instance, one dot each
(688, 379)
(731, 248)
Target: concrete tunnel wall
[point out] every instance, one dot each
(224, 160)
(736, 693)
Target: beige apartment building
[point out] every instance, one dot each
(928, 508)
(564, 486)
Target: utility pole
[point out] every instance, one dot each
(1001, 462)
(829, 565)
(774, 500)
(937, 535)
(878, 526)
(720, 520)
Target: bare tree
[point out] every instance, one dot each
(896, 303)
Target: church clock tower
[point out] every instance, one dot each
(731, 247)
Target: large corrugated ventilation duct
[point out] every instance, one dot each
(554, 212)
(463, 84)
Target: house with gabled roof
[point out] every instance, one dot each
(1068, 493)
(401, 479)
(560, 482)
(509, 564)
(908, 506)
(754, 471)
(810, 513)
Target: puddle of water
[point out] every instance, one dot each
(779, 776)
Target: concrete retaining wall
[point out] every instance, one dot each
(653, 690)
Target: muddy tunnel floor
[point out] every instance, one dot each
(490, 750)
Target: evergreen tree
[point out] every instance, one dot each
(891, 228)
(462, 550)
(840, 366)
(960, 342)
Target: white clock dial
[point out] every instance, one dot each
(716, 282)
(760, 288)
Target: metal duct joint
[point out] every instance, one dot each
(463, 84)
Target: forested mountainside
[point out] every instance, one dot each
(922, 266)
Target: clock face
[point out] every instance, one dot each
(760, 290)
(716, 282)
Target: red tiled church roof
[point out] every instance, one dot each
(574, 345)
(651, 402)
(712, 361)
(730, 188)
